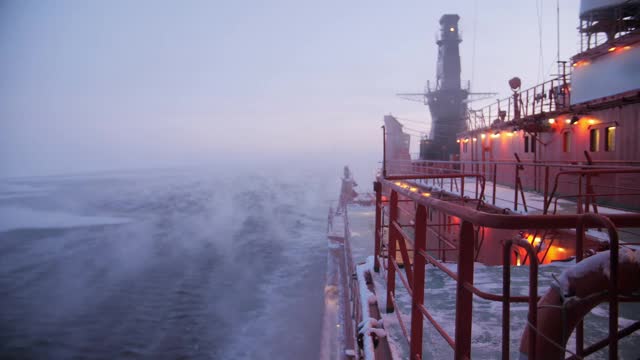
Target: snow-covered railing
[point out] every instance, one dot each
(538, 341)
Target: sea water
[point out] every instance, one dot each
(163, 265)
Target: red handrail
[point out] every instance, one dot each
(414, 280)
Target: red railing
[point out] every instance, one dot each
(413, 276)
(516, 185)
(548, 97)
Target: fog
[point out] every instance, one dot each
(93, 86)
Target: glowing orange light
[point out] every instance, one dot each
(466, 140)
(413, 189)
(560, 249)
(398, 183)
(426, 194)
(510, 134)
(483, 136)
(580, 63)
(613, 48)
(495, 135)
(592, 121)
(627, 47)
(568, 121)
(552, 121)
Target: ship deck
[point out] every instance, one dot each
(440, 297)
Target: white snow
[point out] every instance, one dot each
(596, 263)
(365, 293)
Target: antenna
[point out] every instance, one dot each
(558, 34)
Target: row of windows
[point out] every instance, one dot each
(609, 139)
(594, 140)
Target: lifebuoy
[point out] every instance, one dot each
(579, 289)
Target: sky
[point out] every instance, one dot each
(103, 85)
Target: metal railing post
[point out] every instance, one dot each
(391, 249)
(547, 201)
(515, 188)
(418, 282)
(495, 172)
(506, 305)
(377, 187)
(464, 297)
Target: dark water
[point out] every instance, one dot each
(204, 267)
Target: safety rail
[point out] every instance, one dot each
(548, 97)
(519, 184)
(414, 275)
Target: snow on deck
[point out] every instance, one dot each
(505, 195)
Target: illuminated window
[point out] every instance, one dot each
(594, 140)
(610, 138)
(566, 141)
(526, 144)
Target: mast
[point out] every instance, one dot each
(447, 102)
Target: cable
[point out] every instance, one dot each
(473, 47)
(540, 48)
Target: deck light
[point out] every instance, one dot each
(627, 47)
(552, 121)
(452, 29)
(458, 141)
(483, 136)
(475, 139)
(426, 194)
(398, 183)
(568, 121)
(612, 49)
(496, 134)
(592, 121)
(574, 119)
(413, 189)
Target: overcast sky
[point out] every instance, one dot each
(97, 85)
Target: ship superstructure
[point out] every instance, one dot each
(550, 174)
